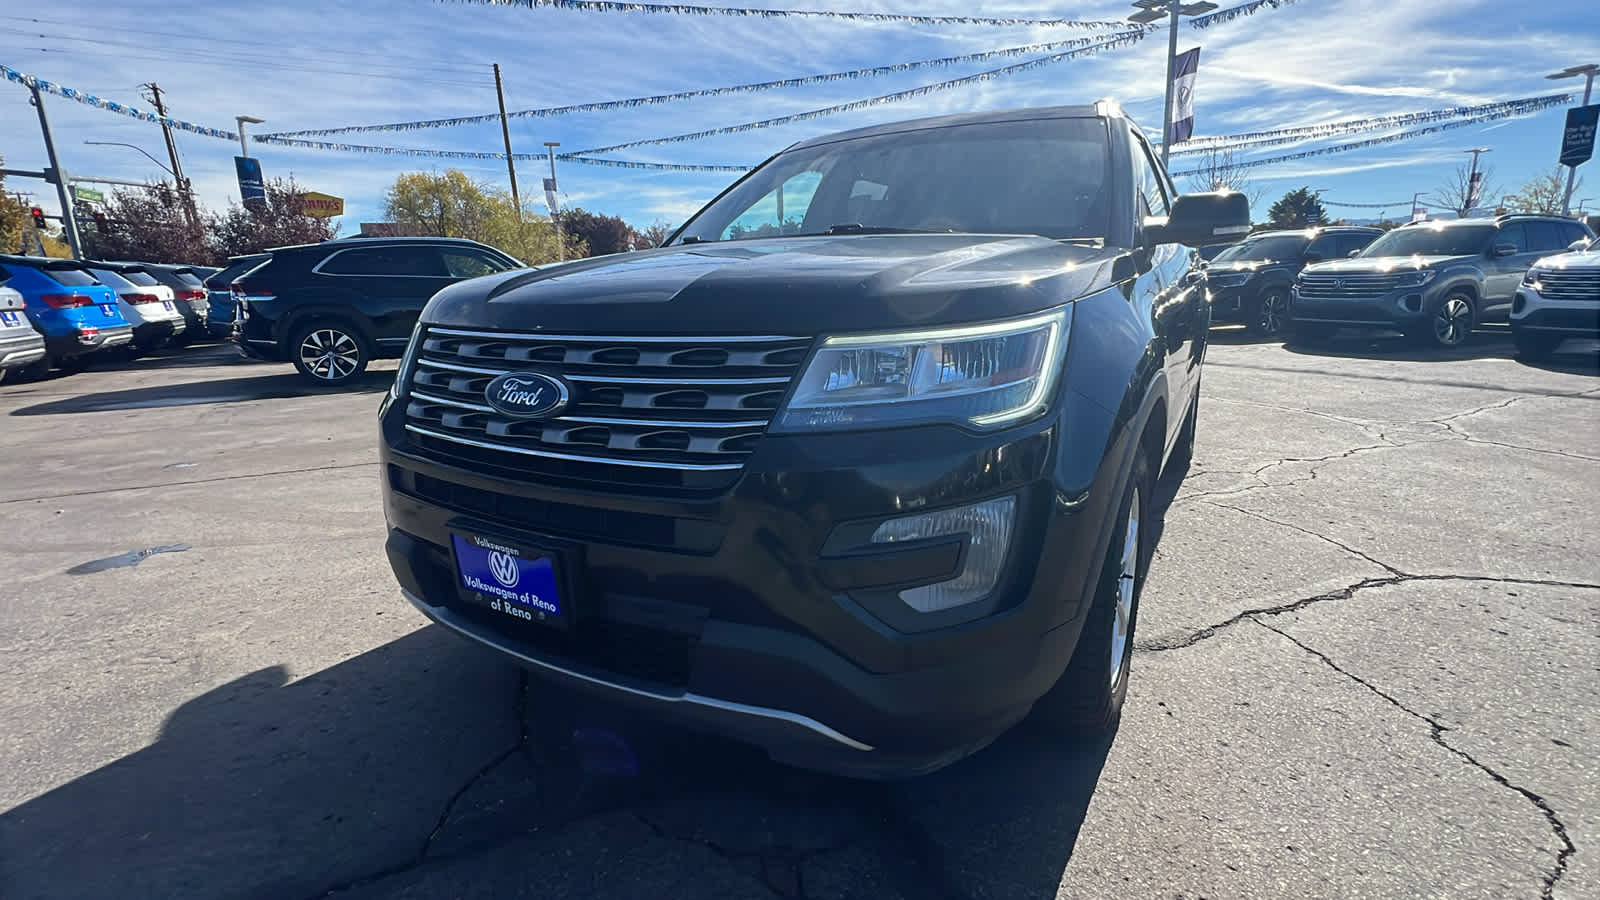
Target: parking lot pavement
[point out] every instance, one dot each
(1367, 657)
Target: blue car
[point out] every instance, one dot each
(76, 313)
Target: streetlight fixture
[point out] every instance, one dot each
(158, 162)
(244, 147)
(1587, 71)
(1150, 12)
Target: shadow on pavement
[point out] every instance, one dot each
(229, 390)
(427, 768)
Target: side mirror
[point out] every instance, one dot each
(1578, 246)
(1221, 217)
(1503, 250)
(1353, 254)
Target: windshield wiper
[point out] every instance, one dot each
(858, 228)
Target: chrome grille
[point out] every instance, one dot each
(642, 410)
(1570, 284)
(1345, 287)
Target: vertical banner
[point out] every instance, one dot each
(550, 195)
(251, 187)
(1184, 67)
(1577, 142)
(1474, 188)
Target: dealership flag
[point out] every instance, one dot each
(1183, 70)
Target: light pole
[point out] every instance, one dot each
(244, 146)
(1470, 201)
(1150, 12)
(158, 162)
(1415, 199)
(1588, 71)
(1583, 202)
(550, 200)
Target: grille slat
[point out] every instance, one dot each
(1346, 287)
(639, 408)
(1570, 284)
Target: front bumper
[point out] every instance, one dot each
(727, 611)
(22, 350)
(1403, 309)
(1532, 312)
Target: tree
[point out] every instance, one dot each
(1455, 191)
(1544, 193)
(1216, 170)
(280, 222)
(148, 224)
(655, 234)
(602, 234)
(12, 217)
(1298, 209)
(454, 205)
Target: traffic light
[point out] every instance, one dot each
(38, 218)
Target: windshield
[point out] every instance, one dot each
(1431, 241)
(1278, 247)
(140, 277)
(113, 280)
(68, 277)
(1045, 177)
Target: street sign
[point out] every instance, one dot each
(322, 206)
(1577, 145)
(251, 187)
(87, 195)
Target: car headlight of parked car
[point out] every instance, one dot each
(402, 375)
(1531, 278)
(1414, 279)
(978, 376)
(1231, 279)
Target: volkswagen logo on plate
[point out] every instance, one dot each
(527, 395)
(1338, 284)
(504, 569)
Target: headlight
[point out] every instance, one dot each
(402, 375)
(1231, 279)
(978, 376)
(1531, 278)
(1414, 279)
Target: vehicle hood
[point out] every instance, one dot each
(797, 286)
(1381, 265)
(1587, 259)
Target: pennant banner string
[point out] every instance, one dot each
(631, 102)
(1253, 139)
(1121, 40)
(1363, 205)
(1234, 12)
(112, 105)
(680, 9)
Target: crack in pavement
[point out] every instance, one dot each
(1437, 731)
(420, 857)
(775, 863)
(172, 484)
(1318, 535)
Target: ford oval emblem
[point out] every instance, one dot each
(526, 395)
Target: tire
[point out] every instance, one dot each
(1451, 324)
(1269, 315)
(1535, 347)
(1086, 701)
(330, 352)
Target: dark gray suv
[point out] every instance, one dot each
(1432, 280)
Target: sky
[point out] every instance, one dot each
(302, 64)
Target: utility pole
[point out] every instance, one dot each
(184, 195)
(1152, 11)
(1588, 72)
(551, 200)
(505, 132)
(69, 223)
(1470, 201)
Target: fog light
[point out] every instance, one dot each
(1519, 303)
(987, 526)
(1412, 302)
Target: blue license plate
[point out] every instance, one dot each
(169, 306)
(10, 318)
(110, 309)
(516, 582)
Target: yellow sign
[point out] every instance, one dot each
(322, 206)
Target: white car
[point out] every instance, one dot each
(20, 344)
(1558, 300)
(147, 304)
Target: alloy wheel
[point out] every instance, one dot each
(1274, 309)
(330, 354)
(1127, 587)
(1453, 322)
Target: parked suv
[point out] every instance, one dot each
(221, 310)
(861, 481)
(189, 294)
(146, 303)
(1559, 298)
(77, 314)
(20, 344)
(1433, 280)
(333, 307)
(1250, 281)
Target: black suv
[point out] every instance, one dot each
(858, 467)
(1432, 280)
(1250, 281)
(333, 307)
